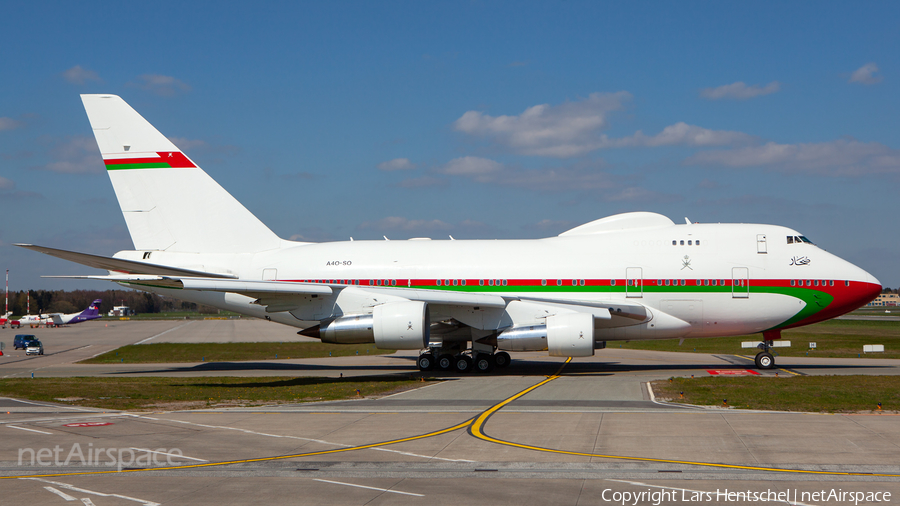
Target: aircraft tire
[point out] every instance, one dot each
(426, 362)
(484, 363)
(445, 362)
(462, 363)
(765, 360)
(502, 359)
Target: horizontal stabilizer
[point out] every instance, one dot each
(119, 265)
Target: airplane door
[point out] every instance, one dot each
(761, 243)
(740, 282)
(634, 282)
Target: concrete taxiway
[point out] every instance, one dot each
(539, 432)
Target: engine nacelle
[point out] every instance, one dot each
(404, 325)
(570, 335)
(355, 329)
(525, 338)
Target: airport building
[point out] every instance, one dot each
(885, 299)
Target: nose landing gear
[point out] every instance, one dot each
(764, 359)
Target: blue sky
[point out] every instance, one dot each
(476, 119)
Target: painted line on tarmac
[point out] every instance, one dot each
(169, 454)
(320, 441)
(58, 406)
(370, 488)
(476, 429)
(29, 430)
(164, 333)
(60, 493)
(86, 491)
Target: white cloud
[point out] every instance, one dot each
(471, 166)
(866, 74)
(185, 144)
(396, 164)
(397, 223)
(406, 227)
(739, 91)
(562, 131)
(423, 182)
(835, 158)
(682, 134)
(80, 75)
(164, 86)
(9, 124)
(78, 155)
(6, 184)
(485, 171)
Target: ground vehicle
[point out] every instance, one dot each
(34, 348)
(22, 340)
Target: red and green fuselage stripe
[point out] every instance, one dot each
(165, 160)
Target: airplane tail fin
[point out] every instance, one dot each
(93, 309)
(169, 203)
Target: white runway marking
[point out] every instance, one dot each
(300, 438)
(170, 454)
(86, 491)
(29, 430)
(50, 405)
(60, 493)
(370, 488)
(164, 333)
(87, 501)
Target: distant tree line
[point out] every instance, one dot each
(61, 301)
(888, 290)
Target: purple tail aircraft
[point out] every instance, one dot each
(91, 313)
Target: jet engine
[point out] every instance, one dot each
(565, 335)
(401, 325)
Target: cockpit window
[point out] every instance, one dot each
(791, 239)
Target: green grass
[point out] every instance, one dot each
(830, 394)
(183, 393)
(833, 338)
(229, 352)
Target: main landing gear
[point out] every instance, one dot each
(461, 362)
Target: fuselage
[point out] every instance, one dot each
(721, 279)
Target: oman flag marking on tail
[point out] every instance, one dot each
(158, 160)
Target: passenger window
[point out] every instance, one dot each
(612, 282)
(846, 283)
(438, 282)
(543, 282)
(689, 242)
(830, 282)
(504, 282)
(463, 282)
(705, 282)
(816, 282)
(558, 282)
(455, 282)
(682, 242)
(697, 242)
(490, 282)
(793, 283)
(581, 282)
(674, 243)
(667, 282)
(574, 282)
(480, 282)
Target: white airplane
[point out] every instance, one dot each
(464, 304)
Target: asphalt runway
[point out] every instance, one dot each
(542, 431)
